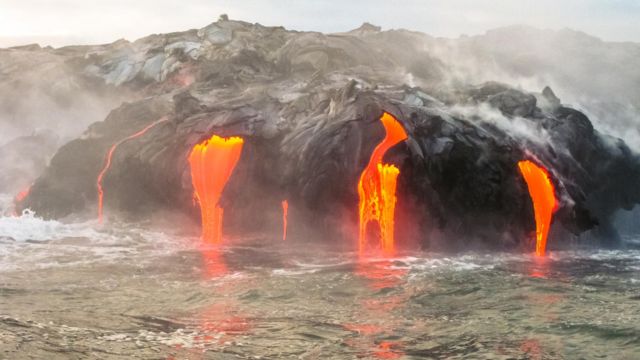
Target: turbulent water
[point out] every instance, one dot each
(78, 291)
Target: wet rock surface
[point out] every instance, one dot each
(308, 107)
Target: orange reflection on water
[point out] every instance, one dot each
(379, 306)
(380, 274)
(221, 322)
(213, 262)
(539, 268)
(363, 329)
(532, 348)
(388, 350)
(366, 340)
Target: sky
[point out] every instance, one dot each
(66, 22)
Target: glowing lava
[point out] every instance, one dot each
(22, 195)
(544, 200)
(377, 188)
(107, 163)
(285, 210)
(212, 163)
(19, 198)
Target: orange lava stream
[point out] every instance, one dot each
(544, 200)
(19, 198)
(22, 194)
(107, 164)
(285, 210)
(377, 188)
(212, 163)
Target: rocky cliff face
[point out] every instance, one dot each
(307, 105)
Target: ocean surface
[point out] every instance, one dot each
(118, 291)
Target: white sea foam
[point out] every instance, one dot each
(30, 242)
(293, 272)
(28, 227)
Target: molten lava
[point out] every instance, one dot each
(544, 200)
(212, 163)
(22, 195)
(107, 163)
(19, 198)
(377, 188)
(285, 210)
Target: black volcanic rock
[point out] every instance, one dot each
(308, 106)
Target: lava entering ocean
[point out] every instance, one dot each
(107, 163)
(377, 188)
(544, 200)
(212, 163)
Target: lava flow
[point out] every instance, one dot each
(107, 164)
(19, 198)
(22, 194)
(285, 210)
(544, 200)
(212, 163)
(377, 188)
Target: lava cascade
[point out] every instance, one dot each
(212, 163)
(544, 200)
(107, 164)
(285, 211)
(377, 188)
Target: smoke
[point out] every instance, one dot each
(45, 94)
(614, 118)
(599, 78)
(44, 102)
(33, 112)
(518, 127)
(626, 222)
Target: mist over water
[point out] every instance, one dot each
(45, 101)
(115, 291)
